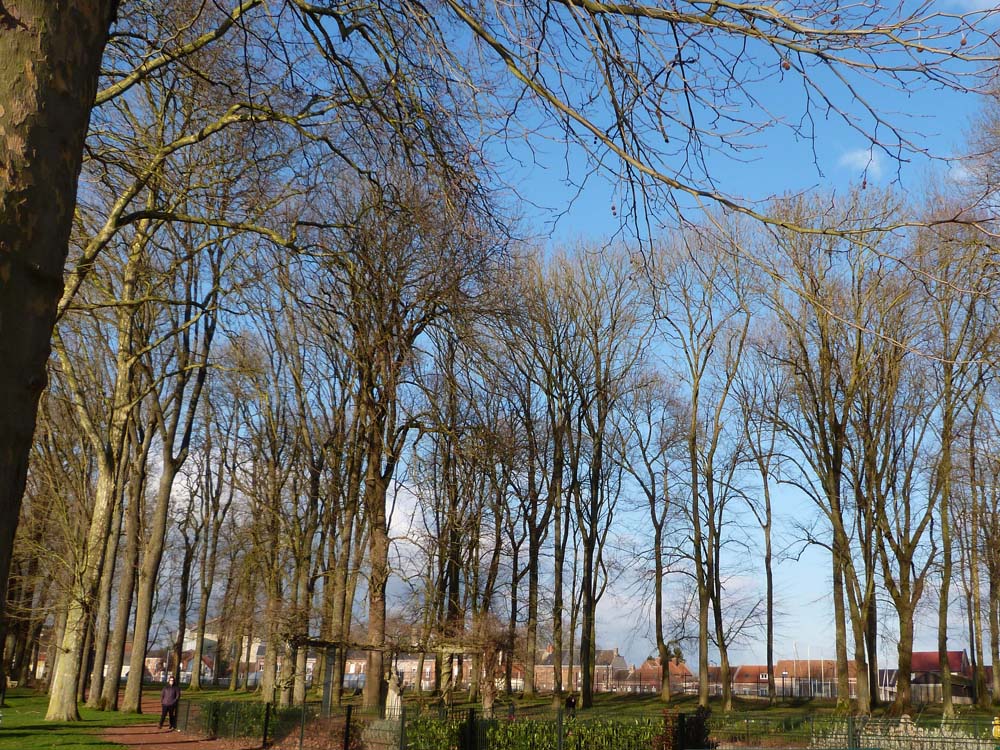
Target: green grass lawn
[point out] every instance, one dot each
(24, 726)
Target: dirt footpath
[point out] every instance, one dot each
(151, 737)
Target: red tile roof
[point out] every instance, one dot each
(927, 661)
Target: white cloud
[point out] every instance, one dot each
(863, 161)
(959, 174)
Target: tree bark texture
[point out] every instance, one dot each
(50, 55)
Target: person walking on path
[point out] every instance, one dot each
(170, 696)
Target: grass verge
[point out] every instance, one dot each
(24, 727)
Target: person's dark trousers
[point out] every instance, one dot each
(171, 712)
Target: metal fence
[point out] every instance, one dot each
(441, 728)
(853, 733)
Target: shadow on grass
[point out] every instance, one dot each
(32, 737)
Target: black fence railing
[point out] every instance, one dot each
(435, 727)
(851, 733)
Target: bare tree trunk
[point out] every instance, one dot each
(246, 677)
(944, 515)
(379, 562)
(88, 639)
(206, 576)
(531, 626)
(182, 609)
(48, 80)
(995, 636)
(54, 653)
(126, 584)
(102, 625)
(62, 702)
(661, 642)
(840, 626)
(148, 573)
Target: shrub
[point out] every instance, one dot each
(427, 733)
(231, 718)
(691, 731)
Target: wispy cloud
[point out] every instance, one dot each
(966, 5)
(862, 161)
(959, 174)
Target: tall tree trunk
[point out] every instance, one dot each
(662, 649)
(512, 625)
(209, 561)
(62, 701)
(840, 629)
(904, 653)
(379, 576)
(147, 579)
(531, 625)
(995, 636)
(871, 645)
(303, 602)
(769, 579)
(182, 610)
(587, 646)
(944, 601)
(559, 552)
(54, 653)
(102, 626)
(50, 56)
(85, 659)
(560, 523)
(126, 584)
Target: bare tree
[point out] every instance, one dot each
(696, 294)
(651, 452)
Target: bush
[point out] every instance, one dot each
(231, 718)
(693, 731)
(427, 733)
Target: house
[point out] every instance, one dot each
(803, 678)
(925, 677)
(187, 666)
(545, 672)
(750, 680)
(811, 678)
(611, 672)
(646, 678)
(155, 666)
(407, 666)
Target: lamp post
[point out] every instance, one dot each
(784, 693)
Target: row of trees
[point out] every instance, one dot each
(393, 407)
(300, 338)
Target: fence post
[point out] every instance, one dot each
(682, 732)
(470, 730)
(559, 729)
(402, 727)
(850, 733)
(347, 727)
(267, 721)
(236, 717)
(302, 725)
